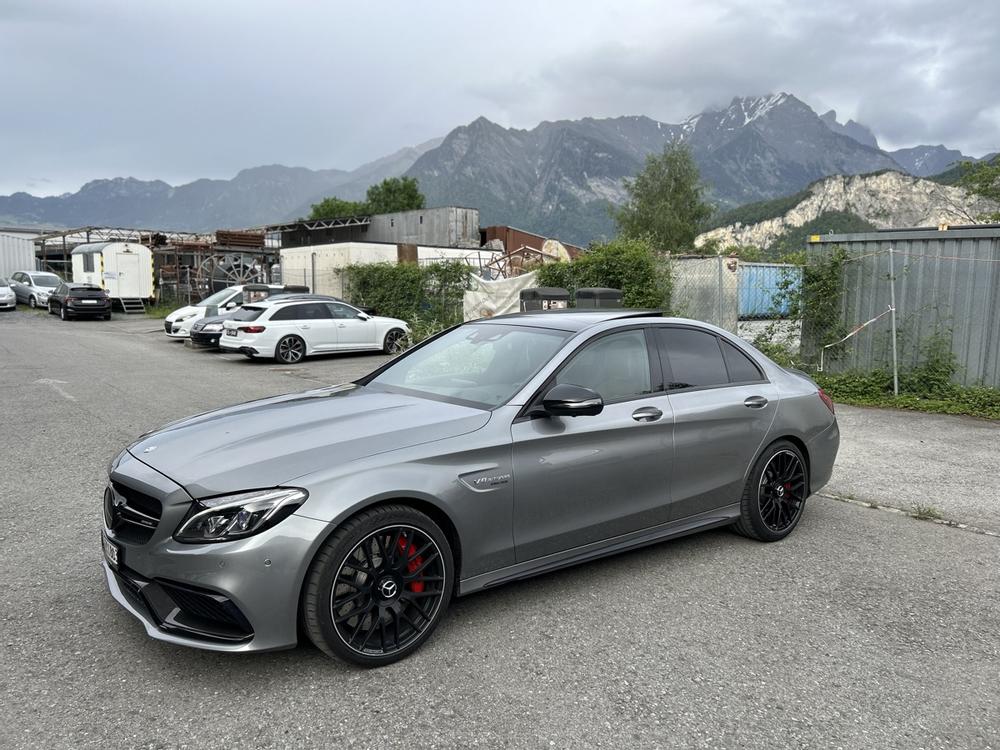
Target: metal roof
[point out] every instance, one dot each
(945, 232)
(93, 247)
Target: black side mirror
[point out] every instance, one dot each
(567, 400)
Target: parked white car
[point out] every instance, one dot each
(177, 325)
(289, 330)
(8, 300)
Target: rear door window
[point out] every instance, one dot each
(694, 358)
(741, 367)
(307, 311)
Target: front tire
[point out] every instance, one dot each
(51, 311)
(62, 313)
(290, 350)
(379, 586)
(775, 494)
(32, 302)
(395, 341)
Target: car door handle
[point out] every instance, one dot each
(341, 325)
(304, 327)
(755, 402)
(647, 414)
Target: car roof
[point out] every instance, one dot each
(568, 319)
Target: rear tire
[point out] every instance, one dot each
(108, 316)
(290, 350)
(775, 494)
(62, 313)
(378, 588)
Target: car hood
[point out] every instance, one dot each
(184, 311)
(269, 442)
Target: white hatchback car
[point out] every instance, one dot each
(289, 330)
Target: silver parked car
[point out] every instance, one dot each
(8, 300)
(34, 287)
(498, 450)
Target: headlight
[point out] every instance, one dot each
(212, 327)
(222, 519)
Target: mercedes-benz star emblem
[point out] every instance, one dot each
(387, 588)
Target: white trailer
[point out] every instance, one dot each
(125, 269)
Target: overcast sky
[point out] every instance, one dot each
(185, 89)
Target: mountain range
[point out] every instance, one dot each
(559, 178)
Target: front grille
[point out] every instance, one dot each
(168, 327)
(132, 515)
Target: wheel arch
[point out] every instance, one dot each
(794, 440)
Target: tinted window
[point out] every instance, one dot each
(245, 314)
(694, 357)
(342, 311)
(741, 368)
(309, 311)
(615, 366)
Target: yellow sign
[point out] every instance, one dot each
(814, 238)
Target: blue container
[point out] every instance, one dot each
(761, 286)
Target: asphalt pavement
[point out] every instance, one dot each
(864, 629)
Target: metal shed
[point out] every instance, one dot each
(17, 253)
(947, 288)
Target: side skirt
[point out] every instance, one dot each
(719, 517)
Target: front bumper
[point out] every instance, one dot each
(8, 304)
(241, 595)
(176, 330)
(200, 338)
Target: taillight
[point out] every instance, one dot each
(71, 299)
(251, 329)
(826, 400)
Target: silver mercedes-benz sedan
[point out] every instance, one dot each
(500, 449)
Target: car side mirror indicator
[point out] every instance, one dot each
(567, 400)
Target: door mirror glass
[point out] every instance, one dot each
(567, 400)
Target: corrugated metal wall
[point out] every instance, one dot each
(947, 284)
(16, 254)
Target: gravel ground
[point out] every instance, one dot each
(863, 629)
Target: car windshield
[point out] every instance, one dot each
(483, 364)
(218, 298)
(46, 280)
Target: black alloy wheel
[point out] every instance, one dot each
(378, 589)
(395, 341)
(290, 350)
(775, 494)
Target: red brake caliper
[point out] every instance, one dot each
(416, 586)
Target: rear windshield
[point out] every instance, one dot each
(245, 314)
(85, 288)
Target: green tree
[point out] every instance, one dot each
(983, 179)
(335, 208)
(395, 194)
(666, 201)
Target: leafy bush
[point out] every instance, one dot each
(429, 297)
(626, 264)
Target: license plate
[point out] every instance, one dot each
(230, 331)
(112, 552)
(89, 301)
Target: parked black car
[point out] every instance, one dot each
(206, 332)
(75, 300)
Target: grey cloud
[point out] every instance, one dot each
(189, 89)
